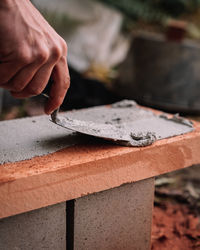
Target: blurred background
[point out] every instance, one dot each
(146, 50)
(136, 49)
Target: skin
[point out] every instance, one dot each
(30, 53)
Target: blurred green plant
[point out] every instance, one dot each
(177, 7)
(60, 22)
(157, 12)
(138, 9)
(153, 10)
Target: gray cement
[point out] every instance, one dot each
(25, 138)
(124, 123)
(118, 218)
(44, 228)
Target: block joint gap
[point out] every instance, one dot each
(70, 224)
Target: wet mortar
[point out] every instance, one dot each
(125, 123)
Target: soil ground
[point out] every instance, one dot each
(176, 217)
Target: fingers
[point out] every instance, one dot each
(7, 71)
(21, 78)
(37, 84)
(33, 84)
(9, 68)
(61, 83)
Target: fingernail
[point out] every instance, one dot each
(47, 111)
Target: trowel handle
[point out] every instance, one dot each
(45, 93)
(54, 115)
(47, 89)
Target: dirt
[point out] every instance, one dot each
(175, 227)
(177, 210)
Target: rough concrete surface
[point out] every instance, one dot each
(44, 228)
(28, 137)
(117, 219)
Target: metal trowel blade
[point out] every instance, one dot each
(110, 132)
(91, 128)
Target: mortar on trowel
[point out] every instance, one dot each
(124, 123)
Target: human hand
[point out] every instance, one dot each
(30, 53)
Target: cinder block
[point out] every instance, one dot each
(117, 219)
(44, 228)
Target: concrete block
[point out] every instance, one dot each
(116, 219)
(44, 228)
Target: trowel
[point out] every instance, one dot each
(112, 132)
(124, 123)
(116, 133)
